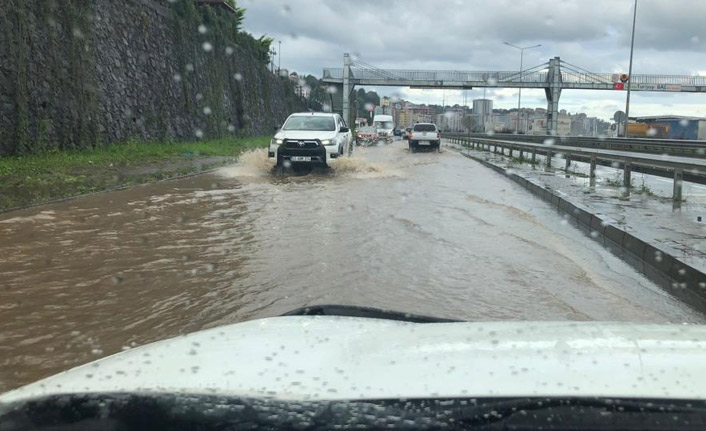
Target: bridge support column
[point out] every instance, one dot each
(592, 173)
(534, 157)
(511, 149)
(553, 92)
(347, 89)
(567, 165)
(522, 155)
(549, 159)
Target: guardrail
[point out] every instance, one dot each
(679, 168)
(676, 147)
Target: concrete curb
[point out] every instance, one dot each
(673, 275)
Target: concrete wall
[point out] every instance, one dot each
(81, 73)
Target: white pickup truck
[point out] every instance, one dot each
(424, 135)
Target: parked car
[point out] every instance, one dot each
(424, 135)
(310, 139)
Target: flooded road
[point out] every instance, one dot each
(433, 234)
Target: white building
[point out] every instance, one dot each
(539, 126)
(483, 108)
(451, 120)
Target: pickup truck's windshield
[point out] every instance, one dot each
(425, 128)
(316, 123)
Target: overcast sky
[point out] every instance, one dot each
(469, 34)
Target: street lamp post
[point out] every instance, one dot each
(279, 59)
(519, 93)
(632, 45)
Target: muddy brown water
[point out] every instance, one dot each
(433, 234)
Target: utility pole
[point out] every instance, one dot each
(519, 93)
(632, 45)
(279, 59)
(272, 60)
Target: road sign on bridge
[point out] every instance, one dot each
(553, 76)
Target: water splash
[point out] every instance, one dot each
(251, 163)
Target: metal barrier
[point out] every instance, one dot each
(679, 168)
(674, 147)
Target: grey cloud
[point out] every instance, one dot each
(468, 34)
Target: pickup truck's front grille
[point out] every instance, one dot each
(303, 143)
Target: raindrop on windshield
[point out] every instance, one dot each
(229, 50)
(695, 39)
(207, 46)
(77, 33)
(549, 142)
(651, 131)
(177, 77)
(231, 128)
(684, 122)
(492, 81)
(206, 110)
(490, 132)
(189, 67)
(202, 29)
(332, 90)
(198, 133)
(238, 77)
(286, 10)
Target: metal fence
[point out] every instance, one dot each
(674, 147)
(679, 168)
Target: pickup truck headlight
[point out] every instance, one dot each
(276, 141)
(327, 142)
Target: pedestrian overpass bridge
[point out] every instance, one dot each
(553, 76)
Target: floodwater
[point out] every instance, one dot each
(426, 233)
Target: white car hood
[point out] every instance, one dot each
(335, 358)
(303, 134)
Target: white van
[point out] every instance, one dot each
(384, 124)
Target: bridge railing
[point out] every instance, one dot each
(567, 76)
(333, 73)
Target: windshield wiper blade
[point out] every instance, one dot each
(365, 312)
